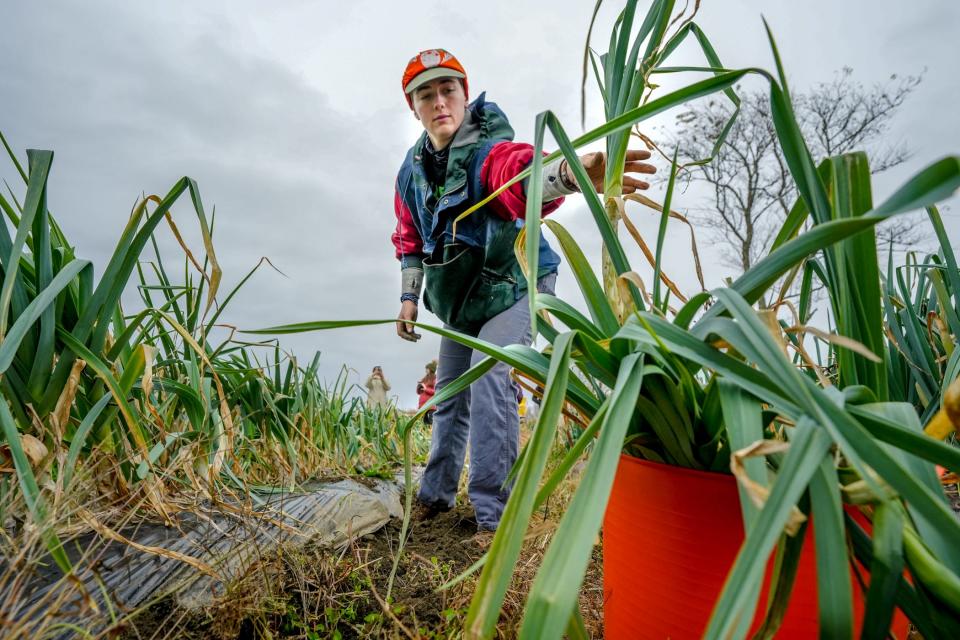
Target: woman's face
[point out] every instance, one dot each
(440, 106)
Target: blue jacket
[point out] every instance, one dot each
(457, 281)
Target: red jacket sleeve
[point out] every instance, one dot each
(406, 239)
(505, 160)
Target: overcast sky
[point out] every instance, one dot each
(290, 116)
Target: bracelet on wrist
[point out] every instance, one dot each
(412, 297)
(572, 186)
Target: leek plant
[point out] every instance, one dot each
(98, 404)
(694, 385)
(706, 382)
(921, 299)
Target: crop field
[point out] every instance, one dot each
(167, 470)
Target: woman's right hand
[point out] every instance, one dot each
(408, 315)
(595, 164)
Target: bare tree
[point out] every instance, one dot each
(752, 187)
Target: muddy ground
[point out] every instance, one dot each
(315, 593)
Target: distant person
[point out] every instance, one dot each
(425, 389)
(377, 387)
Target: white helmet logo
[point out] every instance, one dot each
(430, 58)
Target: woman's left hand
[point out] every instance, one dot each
(596, 166)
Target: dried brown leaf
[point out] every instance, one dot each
(758, 493)
(107, 532)
(840, 341)
(61, 412)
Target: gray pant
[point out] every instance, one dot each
(486, 413)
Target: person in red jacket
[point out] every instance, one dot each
(425, 389)
(472, 279)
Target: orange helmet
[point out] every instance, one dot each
(429, 65)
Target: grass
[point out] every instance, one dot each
(315, 592)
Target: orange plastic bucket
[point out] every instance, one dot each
(670, 537)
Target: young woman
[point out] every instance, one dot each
(473, 281)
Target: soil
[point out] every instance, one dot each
(315, 593)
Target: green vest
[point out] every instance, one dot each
(473, 275)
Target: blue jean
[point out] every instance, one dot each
(485, 414)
